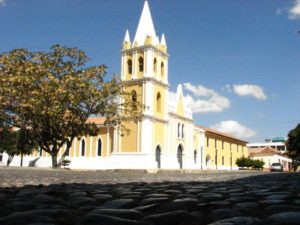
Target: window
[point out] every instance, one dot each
(195, 156)
(222, 144)
(129, 66)
(141, 64)
(134, 99)
(207, 142)
(99, 147)
(83, 147)
(223, 160)
(158, 102)
(178, 130)
(162, 69)
(155, 65)
(182, 131)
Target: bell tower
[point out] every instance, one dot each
(144, 72)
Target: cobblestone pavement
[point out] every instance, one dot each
(48, 197)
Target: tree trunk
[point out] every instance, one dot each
(54, 160)
(9, 160)
(63, 157)
(21, 160)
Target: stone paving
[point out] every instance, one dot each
(48, 197)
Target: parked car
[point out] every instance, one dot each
(276, 167)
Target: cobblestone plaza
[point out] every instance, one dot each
(45, 196)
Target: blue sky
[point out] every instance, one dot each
(238, 61)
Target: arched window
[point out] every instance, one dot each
(195, 156)
(141, 64)
(134, 99)
(162, 69)
(182, 131)
(129, 66)
(99, 147)
(155, 65)
(178, 130)
(83, 147)
(158, 102)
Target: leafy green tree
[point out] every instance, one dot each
(15, 142)
(293, 145)
(52, 94)
(257, 164)
(8, 143)
(243, 162)
(249, 163)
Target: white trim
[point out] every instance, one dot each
(91, 145)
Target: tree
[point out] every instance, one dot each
(50, 95)
(8, 143)
(15, 142)
(293, 145)
(249, 163)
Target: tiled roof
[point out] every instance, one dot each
(219, 133)
(97, 120)
(264, 151)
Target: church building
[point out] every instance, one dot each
(166, 137)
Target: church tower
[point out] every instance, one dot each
(144, 71)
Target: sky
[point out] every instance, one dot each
(238, 61)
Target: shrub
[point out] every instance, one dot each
(258, 164)
(249, 163)
(243, 162)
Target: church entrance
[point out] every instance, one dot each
(158, 156)
(179, 156)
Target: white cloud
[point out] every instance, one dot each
(294, 11)
(234, 128)
(2, 3)
(205, 100)
(249, 90)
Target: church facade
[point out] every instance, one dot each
(166, 136)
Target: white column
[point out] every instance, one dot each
(91, 145)
(115, 139)
(134, 65)
(107, 141)
(149, 63)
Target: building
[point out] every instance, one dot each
(273, 150)
(269, 156)
(277, 143)
(166, 136)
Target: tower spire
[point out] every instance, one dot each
(127, 37)
(145, 27)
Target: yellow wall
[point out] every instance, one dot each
(129, 138)
(159, 135)
(162, 91)
(238, 149)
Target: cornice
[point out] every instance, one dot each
(181, 117)
(144, 80)
(144, 47)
